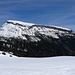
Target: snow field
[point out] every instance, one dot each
(37, 66)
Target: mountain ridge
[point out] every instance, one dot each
(31, 40)
(17, 29)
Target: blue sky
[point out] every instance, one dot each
(47, 12)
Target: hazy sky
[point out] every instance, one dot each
(49, 12)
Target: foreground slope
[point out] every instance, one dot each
(37, 66)
(31, 40)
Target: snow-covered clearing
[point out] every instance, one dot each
(64, 65)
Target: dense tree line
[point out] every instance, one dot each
(44, 48)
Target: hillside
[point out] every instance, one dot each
(31, 40)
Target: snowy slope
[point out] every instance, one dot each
(5, 54)
(18, 29)
(37, 66)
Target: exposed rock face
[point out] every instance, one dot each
(27, 39)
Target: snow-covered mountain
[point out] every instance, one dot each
(18, 29)
(29, 39)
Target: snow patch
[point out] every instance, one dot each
(20, 22)
(6, 54)
(61, 28)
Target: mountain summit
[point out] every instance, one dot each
(18, 29)
(29, 39)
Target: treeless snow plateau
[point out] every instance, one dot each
(63, 65)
